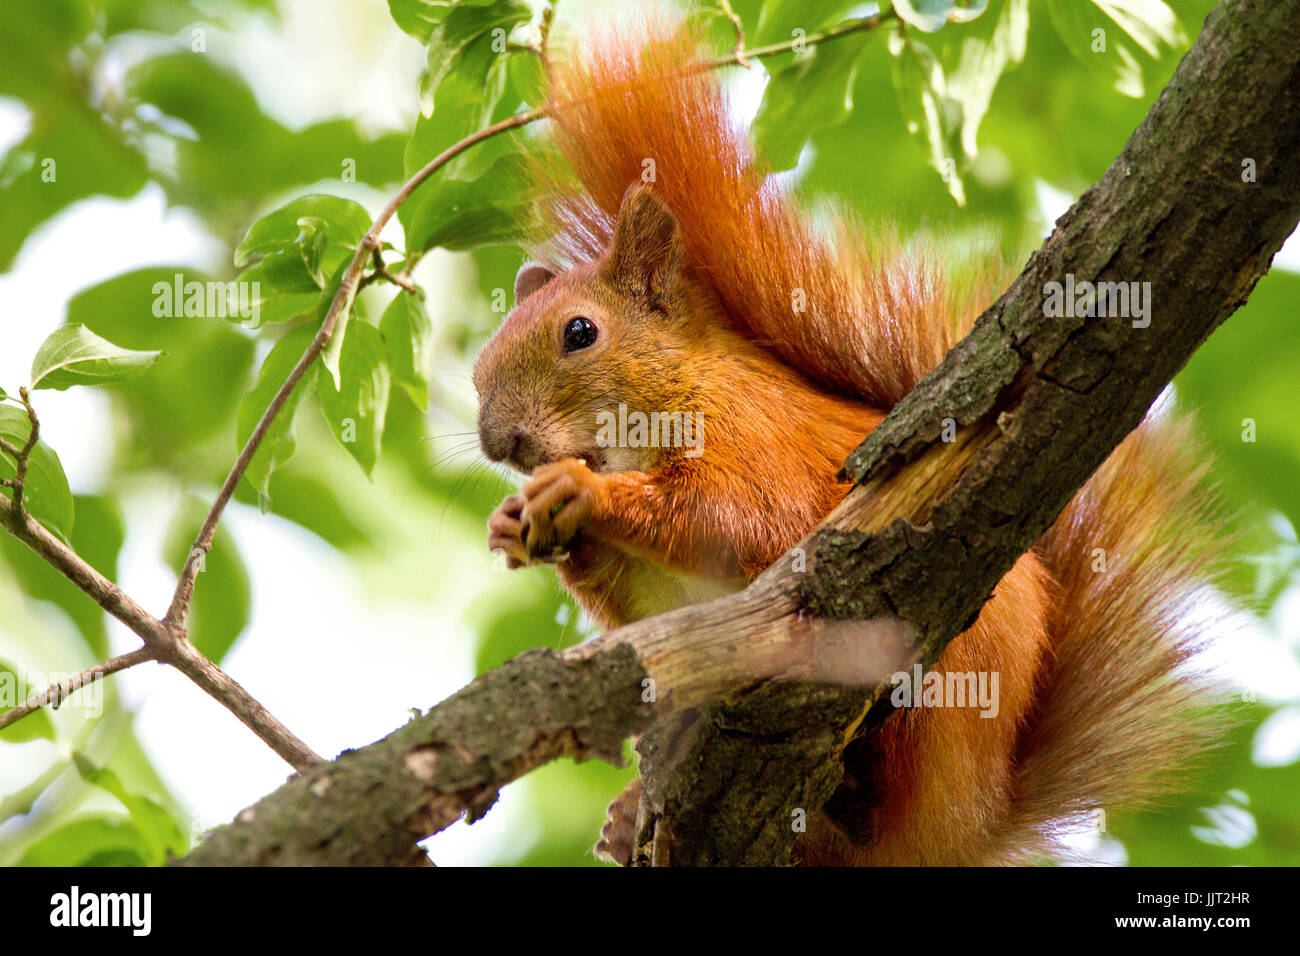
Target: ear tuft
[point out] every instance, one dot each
(532, 276)
(647, 246)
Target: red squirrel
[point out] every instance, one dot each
(680, 279)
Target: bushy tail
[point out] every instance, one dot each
(1122, 713)
(866, 322)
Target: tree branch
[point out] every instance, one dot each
(162, 643)
(55, 694)
(917, 546)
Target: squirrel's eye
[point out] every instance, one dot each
(579, 334)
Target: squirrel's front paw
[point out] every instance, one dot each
(558, 499)
(504, 533)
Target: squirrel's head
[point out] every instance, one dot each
(578, 344)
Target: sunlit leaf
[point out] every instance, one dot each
(496, 207)
(102, 840)
(356, 410)
(931, 115)
(420, 18)
(339, 220)
(987, 50)
(782, 21)
(814, 91)
(46, 495)
(408, 337)
(161, 834)
(74, 355)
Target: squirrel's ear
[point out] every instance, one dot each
(647, 245)
(531, 278)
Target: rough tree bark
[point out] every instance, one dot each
(917, 547)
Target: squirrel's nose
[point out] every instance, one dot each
(500, 446)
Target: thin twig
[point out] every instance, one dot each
(738, 54)
(740, 57)
(87, 580)
(401, 279)
(544, 36)
(55, 694)
(163, 643)
(23, 456)
(191, 662)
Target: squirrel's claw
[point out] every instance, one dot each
(557, 502)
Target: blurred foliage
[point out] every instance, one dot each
(958, 122)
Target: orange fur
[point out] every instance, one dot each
(794, 346)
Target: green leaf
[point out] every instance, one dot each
(74, 355)
(102, 840)
(419, 18)
(1150, 23)
(278, 445)
(341, 220)
(496, 207)
(160, 832)
(223, 596)
(238, 158)
(46, 495)
(356, 411)
(333, 348)
(1087, 28)
(408, 336)
(985, 54)
(929, 112)
(467, 77)
(466, 25)
(13, 692)
(71, 153)
(781, 18)
(527, 78)
(930, 15)
(192, 393)
(282, 287)
(815, 91)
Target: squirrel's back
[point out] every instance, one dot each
(1115, 709)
